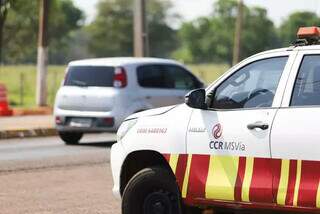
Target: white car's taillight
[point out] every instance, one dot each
(120, 78)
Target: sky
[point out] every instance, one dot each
(191, 9)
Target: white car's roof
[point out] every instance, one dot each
(120, 61)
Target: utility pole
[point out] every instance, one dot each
(140, 29)
(237, 35)
(42, 59)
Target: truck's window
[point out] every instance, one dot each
(166, 77)
(98, 76)
(307, 85)
(252, 86)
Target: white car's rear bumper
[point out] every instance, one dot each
(118, 156)
(101, 121)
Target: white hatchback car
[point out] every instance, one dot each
(98, 94)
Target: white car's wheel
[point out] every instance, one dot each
(71, 138)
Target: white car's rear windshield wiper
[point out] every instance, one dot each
(79, 83)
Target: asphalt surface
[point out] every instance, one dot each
(51, 152)
(43, 175)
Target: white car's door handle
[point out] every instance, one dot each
(148, 97)
(258, 125)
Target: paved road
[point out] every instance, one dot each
(42, 175)
(34, 153)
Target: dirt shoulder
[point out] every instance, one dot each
(81, 189)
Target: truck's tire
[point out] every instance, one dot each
(151, 191)
(71, 138)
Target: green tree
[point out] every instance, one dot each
(111, 33)
(210, 39)
(21, 30)
(289, 28)
(64, 19)
(4, 7)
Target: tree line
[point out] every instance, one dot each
(206, 39)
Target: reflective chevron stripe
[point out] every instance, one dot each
(173, 162)
(247, 179)
(186, 178)
(296, 186)
(283, 185)
(222, 177)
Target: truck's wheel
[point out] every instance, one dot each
(151, 191)
(71, 138)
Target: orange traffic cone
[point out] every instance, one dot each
(4, 105)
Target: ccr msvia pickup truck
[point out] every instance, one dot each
(251, 140)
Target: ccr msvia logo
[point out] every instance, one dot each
(222, 145)
(227, 146)
(217, 131)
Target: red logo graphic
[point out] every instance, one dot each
(217, 131)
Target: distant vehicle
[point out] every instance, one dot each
(248, 141)
(98, 94)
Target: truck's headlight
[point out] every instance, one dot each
(125, 127)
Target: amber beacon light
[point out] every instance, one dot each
(308, 36)
(307, 32)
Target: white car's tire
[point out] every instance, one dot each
(71, 138)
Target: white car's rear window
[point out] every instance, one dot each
(84, 76)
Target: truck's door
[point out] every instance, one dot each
(295, 136)
(228, 145)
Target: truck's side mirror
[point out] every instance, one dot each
(196, 99)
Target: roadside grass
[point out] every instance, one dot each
(20, 80)
(209, 72)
